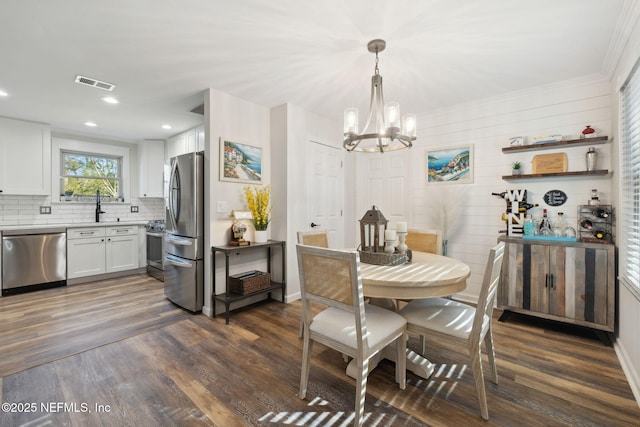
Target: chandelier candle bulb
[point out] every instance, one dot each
(409, 125)
(351, 120)
(392, 115)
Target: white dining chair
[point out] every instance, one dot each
(318, 238)
(443, 319)
(348, 325)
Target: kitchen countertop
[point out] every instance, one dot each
(71, 225)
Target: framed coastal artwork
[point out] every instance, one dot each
(450, 165)
(240, 162)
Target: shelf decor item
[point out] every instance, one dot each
(516, 168)
(592, 159)
(588, 132)
(249, 282)
(259, 205)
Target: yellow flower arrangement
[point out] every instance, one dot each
(258, 202)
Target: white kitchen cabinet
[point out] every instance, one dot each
(99, 250)
(121, 248)
(25, 158)
(176, 145)
(186, 142)
(150, 168)
(86, 251)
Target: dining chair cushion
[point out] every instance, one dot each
(341, 325)
(456, 319)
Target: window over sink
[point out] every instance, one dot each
(80, 168)
(84, 174)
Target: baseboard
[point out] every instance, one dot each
(94, 278)
(627, 367)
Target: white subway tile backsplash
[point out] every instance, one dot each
(25, 210)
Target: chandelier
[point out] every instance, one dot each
(388, 134)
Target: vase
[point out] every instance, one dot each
(261, 236)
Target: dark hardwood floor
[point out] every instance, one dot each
(117, 353)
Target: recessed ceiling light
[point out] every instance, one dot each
(166, 126)
(3, 93)
(90, 124)
(110, 100)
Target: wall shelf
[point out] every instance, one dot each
(602, 172)
(562, 144)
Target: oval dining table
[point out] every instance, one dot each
(426, 276)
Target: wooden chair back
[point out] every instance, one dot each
(318, 238)
(424, 241)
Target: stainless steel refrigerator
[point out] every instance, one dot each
(184, 233)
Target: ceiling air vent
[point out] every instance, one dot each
(88, 81)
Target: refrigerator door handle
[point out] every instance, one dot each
(173, 214)
(177, 261)
(179, 241)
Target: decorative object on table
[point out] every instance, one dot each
(372, 226)
(595, 223)
(546, 138)
(401, 229)
(516, 141)
(549, 163)
(529, 225)
(390, 241)
(588, 132)
(592, 159)
(260, 208)
(450, 165)
(240, 162)
(239, 228)
(387, 135)
(555, 197)
(516, 168)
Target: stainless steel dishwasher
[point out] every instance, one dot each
(33, 259)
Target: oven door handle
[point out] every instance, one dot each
(152, 234)
(177, 261)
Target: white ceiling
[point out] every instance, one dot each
(162, 54)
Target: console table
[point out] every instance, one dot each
(229, 297)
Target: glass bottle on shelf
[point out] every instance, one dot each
(545, 227)
(560, 225)
(529, 226)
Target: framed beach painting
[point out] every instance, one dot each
(240, 162)
(450, 165)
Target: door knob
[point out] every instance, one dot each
(314, 225)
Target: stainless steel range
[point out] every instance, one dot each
(155, 245)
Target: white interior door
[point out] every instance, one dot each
(326, 196)
(382, 182)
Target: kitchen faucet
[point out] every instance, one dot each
(98, 209)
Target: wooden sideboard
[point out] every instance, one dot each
(571, 282)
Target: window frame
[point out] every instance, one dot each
(63, 176)
(629, 184)
(59, 144)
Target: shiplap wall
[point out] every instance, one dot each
(474, 219)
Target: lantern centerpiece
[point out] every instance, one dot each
(372, 226)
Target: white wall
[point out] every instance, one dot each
(628, 340)
(563, 108)
(291, 130)
(241, 121)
